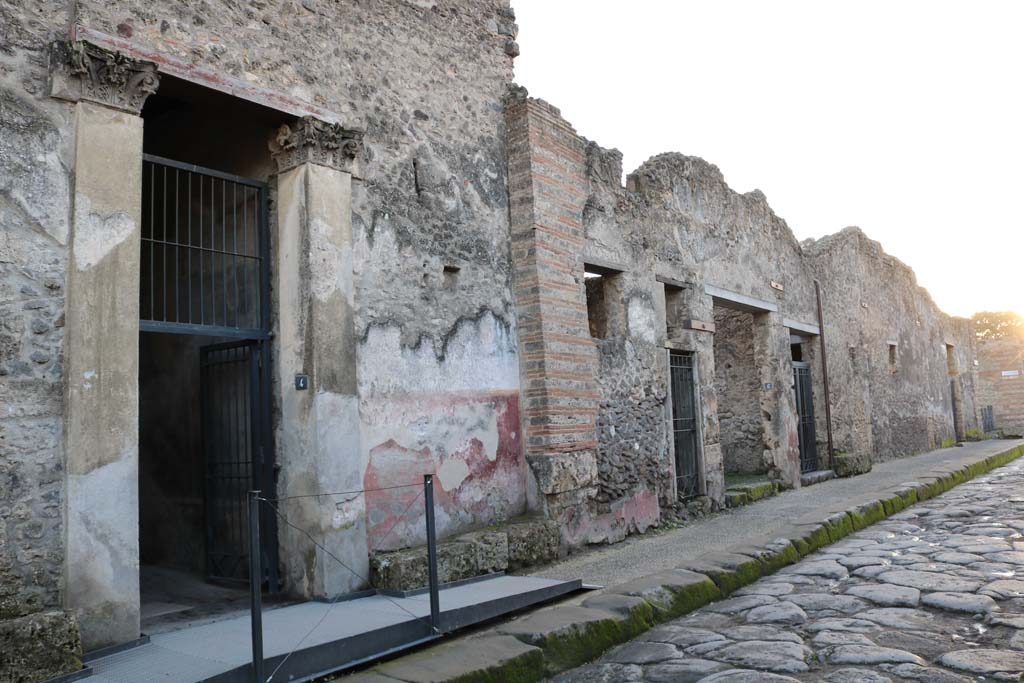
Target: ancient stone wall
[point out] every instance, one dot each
(437, 373)
(891, 381)
(736, 382)
(35, 198)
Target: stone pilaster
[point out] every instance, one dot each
(319, 442)
(779, 418)
(101, 339)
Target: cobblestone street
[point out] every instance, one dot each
(931, 594)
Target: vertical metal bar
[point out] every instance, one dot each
(152, 236)
(264, 242)
(234, 247)
(255, 598)
(435, 600)
(213, 250)
(163, 247)
(189, 298)
(824, 377)
(177, 248)
(224, 244)
(245, 250)
(202, 275)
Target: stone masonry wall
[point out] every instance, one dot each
(35, 154)
(437, 360)
(736, 381)
(892, 392)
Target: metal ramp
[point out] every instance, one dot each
(350, 633)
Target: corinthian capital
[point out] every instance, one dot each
(82, 71)
(318, 142)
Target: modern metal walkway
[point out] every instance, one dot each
(346, 633)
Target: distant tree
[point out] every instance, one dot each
(990, 325)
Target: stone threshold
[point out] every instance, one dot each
(546, 642)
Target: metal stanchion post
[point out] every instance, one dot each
(435, 600)
(255, 587)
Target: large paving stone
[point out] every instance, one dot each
(856, 676)
(681, 636)
(830, 569)
(741, 604)
(1004, 589)
(761, 632)
(886, 594)
(774, 656)
(599, 673)
(741, 676)
(929, 581)
(779, 613)
(846, 604)
(841, 624)
(960, 602)
(871, 654)
(984, 661)
(901, 617)
(687, 670)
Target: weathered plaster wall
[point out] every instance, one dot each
(872, 300)
(430, 246)
(736, 380)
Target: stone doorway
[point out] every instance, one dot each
(204, 366)
(737, 384)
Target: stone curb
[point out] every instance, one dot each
(551, 640)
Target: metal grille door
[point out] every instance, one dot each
(988, 422)
(805, 411)
(205, 272)
(234, 422)
(684, 423)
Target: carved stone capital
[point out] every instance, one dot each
(83, 71)
(317, 142)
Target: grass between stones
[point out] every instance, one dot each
(568, 636)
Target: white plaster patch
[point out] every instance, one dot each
(332, 265)
(103, 526)
(642, 321)
(97, 235)
(452, 473)
(480, 357)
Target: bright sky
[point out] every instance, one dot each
(905, 118)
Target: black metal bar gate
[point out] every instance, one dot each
(684, 423)
(205, 271)
(805, 414)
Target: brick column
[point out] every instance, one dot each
(558, 358)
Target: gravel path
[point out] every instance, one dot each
(934, 594)
(618, 563)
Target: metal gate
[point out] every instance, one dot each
(684, 423)
(805, 411)
(988, 422)
(205, 271)
(235, 431)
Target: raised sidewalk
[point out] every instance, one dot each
(660, 576)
